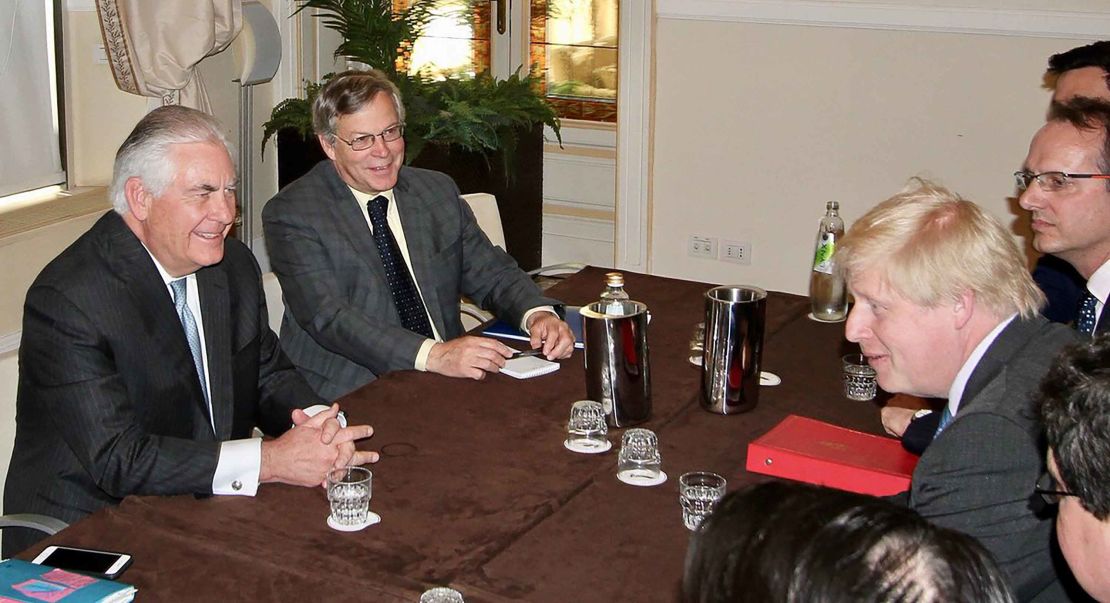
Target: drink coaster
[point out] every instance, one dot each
(577, 446)
(815, 319)
(371, 519)
(769, 379)
(635, 480)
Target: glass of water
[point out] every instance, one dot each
(441, 594)
(639, 462)
(699, 491)
(586, 430)
(349, 495)
(859, 378)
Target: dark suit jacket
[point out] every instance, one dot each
(109, 402)
(977, 476)
(1061, 285)
(341, 327)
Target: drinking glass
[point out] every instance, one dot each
(639, 462)
(587, 430)
(349, 495)
(699, 491)
(441, 594)
(859, 378)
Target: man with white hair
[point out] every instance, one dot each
(946, 308)
(146, 359)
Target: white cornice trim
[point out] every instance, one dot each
(9, 342)
(876, 15)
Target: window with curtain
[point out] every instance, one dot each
(30, 124)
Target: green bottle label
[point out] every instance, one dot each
(822, 259)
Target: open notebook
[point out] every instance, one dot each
(507, 331)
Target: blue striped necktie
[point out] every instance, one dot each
(410, 307)
(192, 334)
(945, 419)
(1085, 322)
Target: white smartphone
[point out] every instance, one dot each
(105, 564)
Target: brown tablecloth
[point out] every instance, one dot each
(475, 488)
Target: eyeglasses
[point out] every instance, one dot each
(1051, 182)
(361, 143)
(1048, 489)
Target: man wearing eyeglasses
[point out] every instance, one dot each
(1075, 410)
(1065, 184)
(1081, 71)
(373, 255)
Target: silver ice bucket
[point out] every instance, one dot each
(617, 368)
(734, 321)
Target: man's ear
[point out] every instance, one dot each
(138, 199)
(329, 147)
(964, 308)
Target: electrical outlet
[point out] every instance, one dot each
(701, 247)
(739, 252)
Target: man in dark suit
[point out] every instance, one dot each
(146, 360)
(945, 308)
(1065, 184)
(1082, 71)
(1075, 409)
(373, 256)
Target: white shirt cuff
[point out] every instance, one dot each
(238, 468)
(422, 355)
(529, 313)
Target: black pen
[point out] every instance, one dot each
(526, 353)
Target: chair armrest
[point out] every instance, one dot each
(553, 269)
(42, 523)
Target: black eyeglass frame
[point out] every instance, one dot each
(399, 128)
(1024, 178)
(1047, 488)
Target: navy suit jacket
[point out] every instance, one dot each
(341, 327)
(109, 402)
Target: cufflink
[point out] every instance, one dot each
(922, 413)
(237, 485)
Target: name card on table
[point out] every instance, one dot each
(816, 452)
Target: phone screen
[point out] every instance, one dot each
(93, 562)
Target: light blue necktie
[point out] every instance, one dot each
(192, 334)
(945, 419)
(1085, 322)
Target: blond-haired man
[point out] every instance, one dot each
(946, 308)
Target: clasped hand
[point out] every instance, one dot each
(303, 455)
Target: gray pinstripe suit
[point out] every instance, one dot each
(977, 476)
(109, 402)
(341, 327)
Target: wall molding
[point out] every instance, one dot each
(635, 69)
(79, 6)
(879, 15)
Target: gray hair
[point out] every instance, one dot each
(348, 93)
(145, 152)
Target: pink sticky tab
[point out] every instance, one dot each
(68, 578)
(41, 590)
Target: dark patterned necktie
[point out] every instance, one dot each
(414, 316)
(1085, 322)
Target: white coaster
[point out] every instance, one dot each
(581, 446)
(815, 319)
(769, 379)
(371, 519)
(635, 480)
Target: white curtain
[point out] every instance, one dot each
(29, 151)
(153, 47)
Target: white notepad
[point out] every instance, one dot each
(526, 367)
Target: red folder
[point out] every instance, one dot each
(812, 451)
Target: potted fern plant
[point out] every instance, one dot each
(486, 133)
